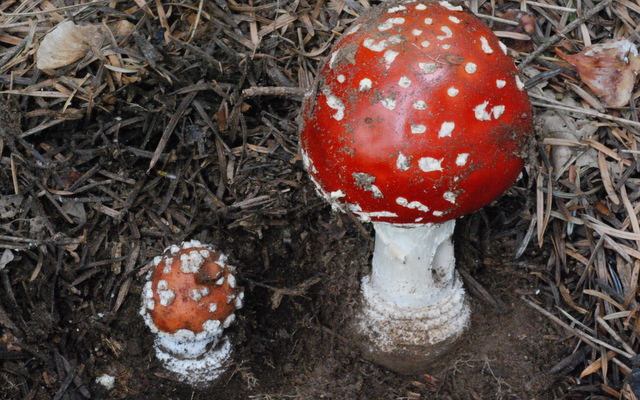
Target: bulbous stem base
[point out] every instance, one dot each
(197, 370)
(414, 306)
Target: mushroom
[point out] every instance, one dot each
(417, 117)
(188, 300)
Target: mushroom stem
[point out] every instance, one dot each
(414, 304)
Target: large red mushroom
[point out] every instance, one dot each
(188, 300)
(417, 117)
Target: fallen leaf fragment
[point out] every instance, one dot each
(609, 69)
(66, 43)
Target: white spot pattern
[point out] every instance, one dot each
(450, 197)
(402, 162)
(388, 24)
(447, 33)
(428, 68)
(388, 103)
(485, 45)
(414, 205)
(418, 128)
(365, 84)
(481, 112)
(404, 82)
(461, 159)
(430, 164)
(452, 92)
(470, 68)
(389, 57)
(446, 129)
(420, 105)
(335, 103)
(500, 83)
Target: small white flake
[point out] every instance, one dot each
(446, 129)
(437, 213)
(213, 307)
(404, 82)
(388, 103)
(365, 84)
(335, 103)
(397, 39)
(446, 46)
(205, 253)
(107, 381)
(497, 111)
(500, 83)
(376, 193)
(191, 263)
(450, 6)
(454, 19)
(388, 24)
(163, 284)
(212, 326)
(228, 321)
(481, 112)
(231, 279)
(421, 7)
(503, 47)
(519, 83)
(428, 21)
(418, 128)
(450, 197)
(420, 105)
(461, 159)
(402, 162)
(414, 205)
(372, 45)
(338, 194)
(396, 9)
(447, 33)
(156, 260)
(485, 45)
(166, 296)
(167, 266)
(220, 281)
(470, 68)
(341, 78)
(452, 92)
(430, 164)
(428, 68)
(389, 57)
(197, 294)
(425, 43)
(416, 32)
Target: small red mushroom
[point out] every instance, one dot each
(188, 300)
(417, 117)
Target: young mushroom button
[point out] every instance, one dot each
(417, 117)
(188, 300)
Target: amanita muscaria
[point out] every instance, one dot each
(188, 300)
(417, 117)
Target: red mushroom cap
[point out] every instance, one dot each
(191, 288)
(417, 116)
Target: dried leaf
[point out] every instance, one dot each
(67, 43)
(609, 69)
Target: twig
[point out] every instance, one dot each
(560, 35)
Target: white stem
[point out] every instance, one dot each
(413, 266)
(413, 303)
